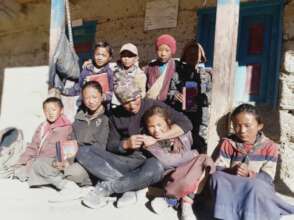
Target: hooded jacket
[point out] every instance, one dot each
(45, 138)
(91, 131)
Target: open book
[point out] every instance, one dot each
(66, 150)
(190, 93)
(102, 79)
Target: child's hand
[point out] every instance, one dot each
(87, 79)
(148, 141)
(179, 97)
(133, 142)
(86, 63)
(60, 165)
(241, 170)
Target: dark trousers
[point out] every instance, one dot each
(122, 173)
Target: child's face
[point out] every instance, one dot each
(156, 125)
(164, 53)
(101, 56)
(52, 111)
(133, 106)
(92, 99)
(246, 127)
(128, 59)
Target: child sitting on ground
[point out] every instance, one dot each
(42, 150)
(173, 153)
(243, 185)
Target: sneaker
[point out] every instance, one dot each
(159, 205)
(97, 198)
(187, 211)
(71, 191)
(130, 198)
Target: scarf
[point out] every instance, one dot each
(153, 74)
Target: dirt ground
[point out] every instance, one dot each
(18, 202)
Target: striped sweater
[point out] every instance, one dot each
(260, 157)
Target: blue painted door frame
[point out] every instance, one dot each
(259, 48)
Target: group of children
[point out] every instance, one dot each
(128, 139)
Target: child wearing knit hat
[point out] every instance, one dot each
(166, 76)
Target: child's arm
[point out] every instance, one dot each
(174, 131)
(223, 161)
(170, 159)
(269, 166)
(85, 72)
(31, 149)
(115, 142)
(141, 79)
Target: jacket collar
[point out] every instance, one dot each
(82, 115)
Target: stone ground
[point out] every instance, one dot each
(17, 202)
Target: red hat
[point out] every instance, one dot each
(168, 40)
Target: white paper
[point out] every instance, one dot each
(161, 14)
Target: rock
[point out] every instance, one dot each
(289, 61)
(287, 92)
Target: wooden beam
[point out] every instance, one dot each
(224, 62)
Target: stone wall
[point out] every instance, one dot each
(286, 104)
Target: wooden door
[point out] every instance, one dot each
(258, 51)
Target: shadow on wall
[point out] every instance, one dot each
(271, 119)
(280, 185)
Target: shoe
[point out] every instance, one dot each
(71, 191)
(130, 198)
(97, 198)
(187, 211)
(159, 205)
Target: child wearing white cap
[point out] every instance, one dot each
(128, 66)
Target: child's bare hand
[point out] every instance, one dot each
(149, 140)
(87, 79)
(60, 165)
(86, 63)
(179, 97)
(134, 142)
(242, 170)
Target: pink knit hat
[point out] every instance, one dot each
(168, 40)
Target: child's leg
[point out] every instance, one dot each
(188, 200)
(43, 173)
(76, 173)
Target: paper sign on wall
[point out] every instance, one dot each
(161, 14)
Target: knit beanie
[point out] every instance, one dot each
(168, 40)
